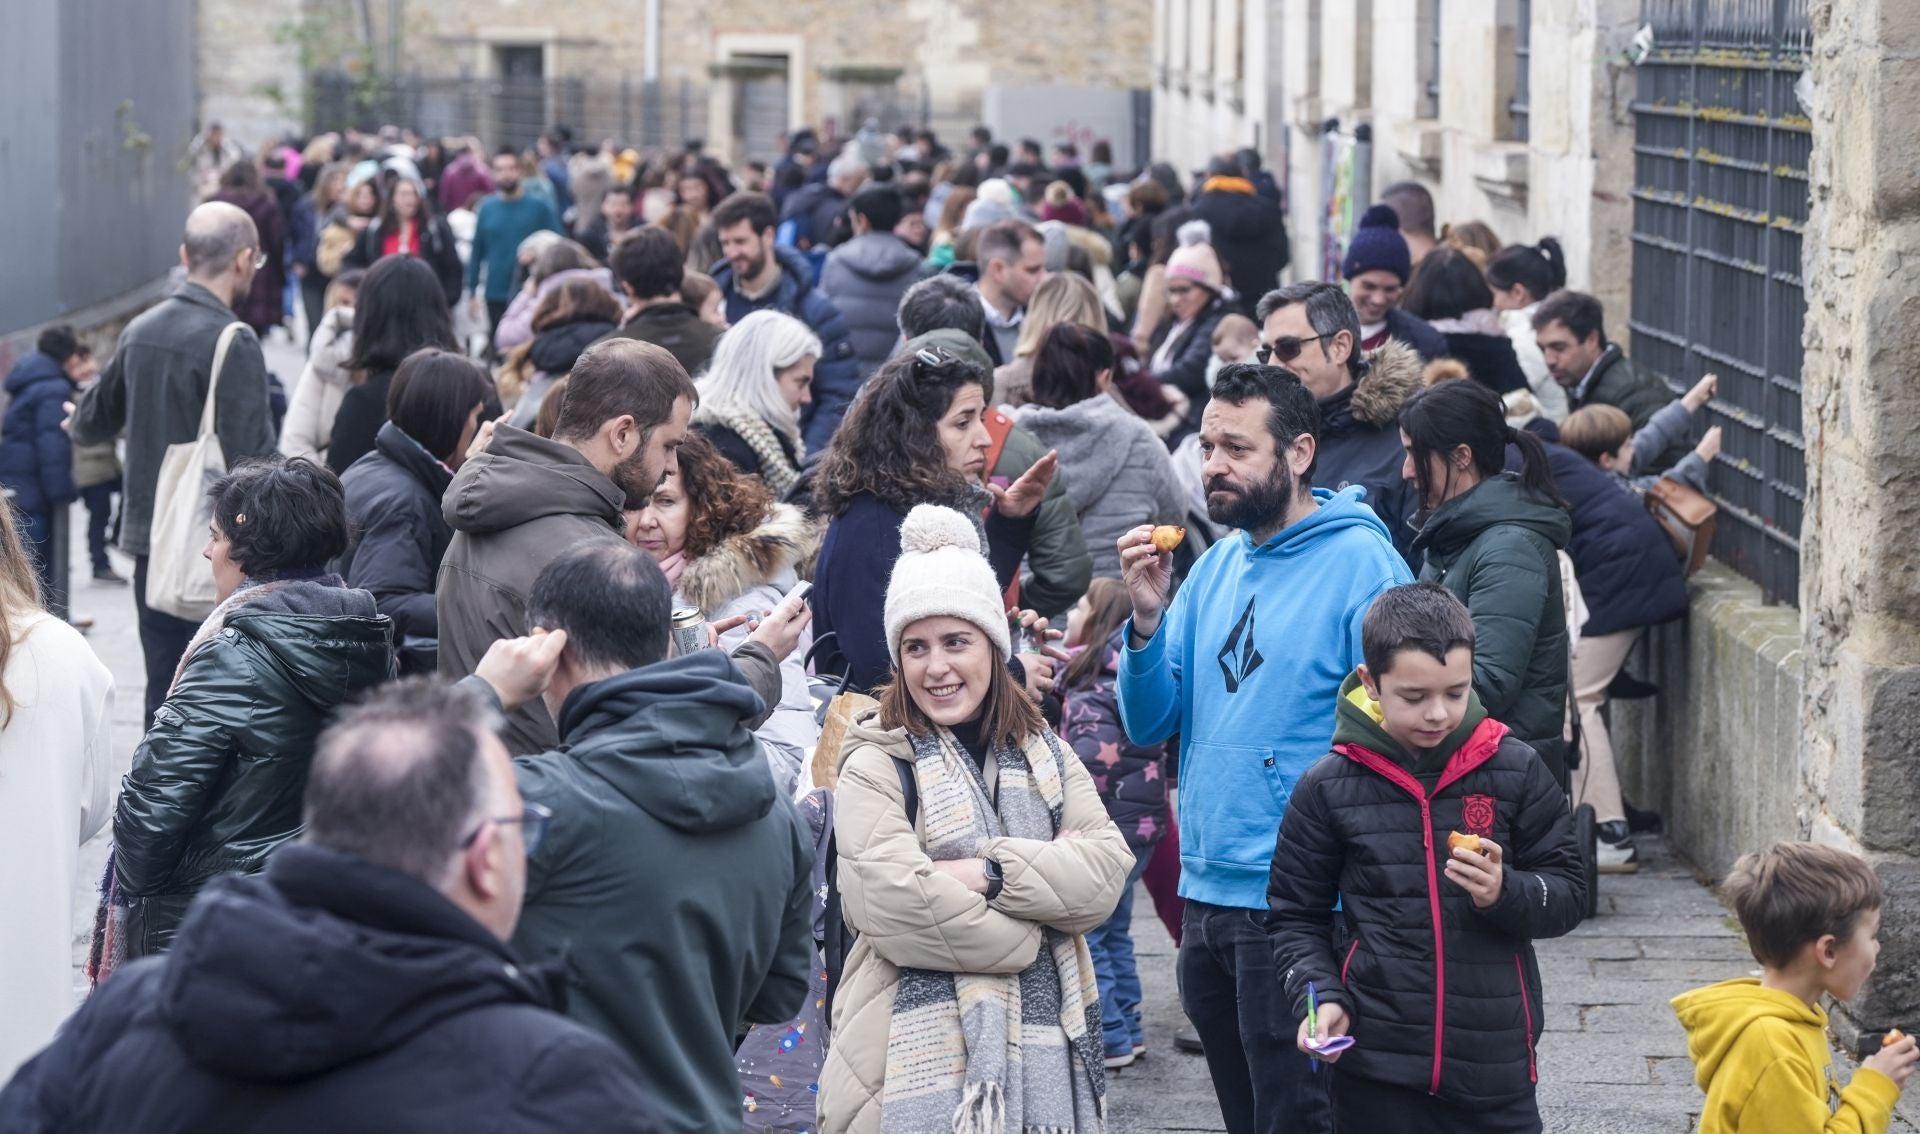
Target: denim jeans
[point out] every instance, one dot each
(1233, 996)
(1111, 944)
(99, 498)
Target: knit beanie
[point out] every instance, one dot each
(1199, 263)
(941, 573)
(982, 212)
(1378, 246)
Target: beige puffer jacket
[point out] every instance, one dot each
(907, 913)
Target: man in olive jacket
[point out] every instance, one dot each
(676, 880)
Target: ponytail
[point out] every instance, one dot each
(1536, 475)
(1556, 259)
(1540, 268)
(1439, 419)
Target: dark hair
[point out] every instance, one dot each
(880, 204)
(398, 779)
(1540, 268)
(1414, 205)
(756, 208)
(1109, 605)
(889, 442)
(1440, 418)
(612, 600)
(280, 514)
(244, 176)
(58, 343)
(1447, 286)
(1292, 408)
(1418, 616)
(622, 377)
(942, 302)
(1004, 240)
(575, 300)
(618, 189)
(1792, 894)
(400, 308)
(1069, 359)
(432, 395)
(1007, 714)
(1581, 313)
(1330, 310)
(649, 261)
(997, 155)
(507, 151)
(390, 213)
(722, 501)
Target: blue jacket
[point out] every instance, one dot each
(36, 457)
(836, 377)
(1246, 667)
(1416, 333)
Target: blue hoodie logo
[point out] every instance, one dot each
(1240, 657)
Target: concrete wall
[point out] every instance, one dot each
(248, 67)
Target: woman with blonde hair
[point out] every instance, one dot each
(752, 392)
(56, 780)
(1064, 297)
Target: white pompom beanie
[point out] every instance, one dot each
(941, 572)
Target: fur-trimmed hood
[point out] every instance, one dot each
(785, 540)
(1393, 377)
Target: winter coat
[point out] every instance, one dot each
(813, 208)
(1614, 381)
(908, 915)
(1188, 367)
(327, 995)
(1444, 997)
(216, 783)
(155, 387)
(399, 535)
(316, 400)
(1131, 778)
(678, 329)
(865, 278)
(1249, 232)
(1496, 549)
(749, 573)
(516, 325)
(553, 353)
(1116, 472)
(738, 450)
(363, 410)
(55, 795)
(263, 304)
(1628, 573)
(1360, 440)
(36, 455)
(836, 376)
(436, 248)
(513, 509)
(1489, 359)
(675, 883)
(1058, 566)
(1416, 333)
(1669, 429)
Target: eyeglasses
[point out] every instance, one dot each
(930, 358)
(533, 820)
(1287, 348)
(259, 260)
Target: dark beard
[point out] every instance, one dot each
(1256, 508)
(632, 477)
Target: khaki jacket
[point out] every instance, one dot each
(907, 913)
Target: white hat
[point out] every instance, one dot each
(941, 573)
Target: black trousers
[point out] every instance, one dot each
(313, 298)
(163, 639)
(99, 498)
(1364, 1106)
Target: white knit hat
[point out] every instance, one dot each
(941, 572)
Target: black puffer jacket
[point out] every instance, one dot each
(1444, 997)
(216, 785)
(1131, 778)
(1360, 440)
(328, 995)
(1187, 365)
(393, 510)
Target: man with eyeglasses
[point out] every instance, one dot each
(363, 982)
(1313, 329)
(155, 388)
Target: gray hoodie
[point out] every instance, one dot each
(865, 278)
(1116, 471)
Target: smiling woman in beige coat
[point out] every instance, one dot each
(969, 1001)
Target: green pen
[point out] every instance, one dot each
(1313, 1019)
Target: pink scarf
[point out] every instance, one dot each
(671, 566)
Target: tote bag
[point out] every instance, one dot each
(179, 578)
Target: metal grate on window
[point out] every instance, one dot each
(1721, 147)
(1522, 60)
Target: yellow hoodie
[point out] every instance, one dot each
(1761, 1055)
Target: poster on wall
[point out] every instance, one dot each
(1346, 172)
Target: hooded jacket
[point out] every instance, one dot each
(552, 354)
(36, 455)
(1360, 439)
(323, 383)
(1761, 1056)
(1628, 574)
(393, 509)
(1245, 666)
(675, 882)
(1131, 778)
(1443, 997)
(513, 509)
(328, 994)
(837, 374)
(1496, 548)
(676, 328)
(1416, 333)
(1250, 234)
(216, 784)
(865, 278)
(1117, 474)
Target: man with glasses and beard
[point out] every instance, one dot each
(1245, 667)
(1312, 329)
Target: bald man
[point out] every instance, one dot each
(156, 387)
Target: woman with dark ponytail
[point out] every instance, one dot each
(1521, 275)
(1492, 538)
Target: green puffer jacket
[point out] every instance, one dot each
(1495, 547)
(1058, 567)
(216, 785)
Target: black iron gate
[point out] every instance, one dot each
(1720, 201)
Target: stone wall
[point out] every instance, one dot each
(248, 65)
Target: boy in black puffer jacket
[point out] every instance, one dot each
(1434, 976)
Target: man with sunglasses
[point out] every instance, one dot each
(363, 981)
(1313, 329)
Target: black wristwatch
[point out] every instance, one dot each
(996, 880)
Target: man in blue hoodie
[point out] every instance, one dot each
(1245, 667)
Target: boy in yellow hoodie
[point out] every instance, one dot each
(1759, 1047)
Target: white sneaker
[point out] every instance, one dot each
(1124, 1059)
(1616, 858)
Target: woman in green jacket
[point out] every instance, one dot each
(216, 785)
(1493, 538)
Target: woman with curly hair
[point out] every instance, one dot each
(728, 548)
(915, 436)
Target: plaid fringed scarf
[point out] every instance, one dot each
(1013, 1054)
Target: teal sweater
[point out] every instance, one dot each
(499, 227)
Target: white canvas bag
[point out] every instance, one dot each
(179, 578)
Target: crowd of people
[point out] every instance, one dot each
(700, 649)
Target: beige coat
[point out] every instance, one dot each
(316, 400)
(909, 914)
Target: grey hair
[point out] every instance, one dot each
(741, 377)
(216, 233)
(846, 165)
(1329, 311)
(942, 302)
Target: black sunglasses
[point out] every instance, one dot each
(1287, 348)
(533, 820)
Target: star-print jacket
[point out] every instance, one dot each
(1132, 778)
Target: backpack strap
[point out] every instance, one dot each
(837, 939)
